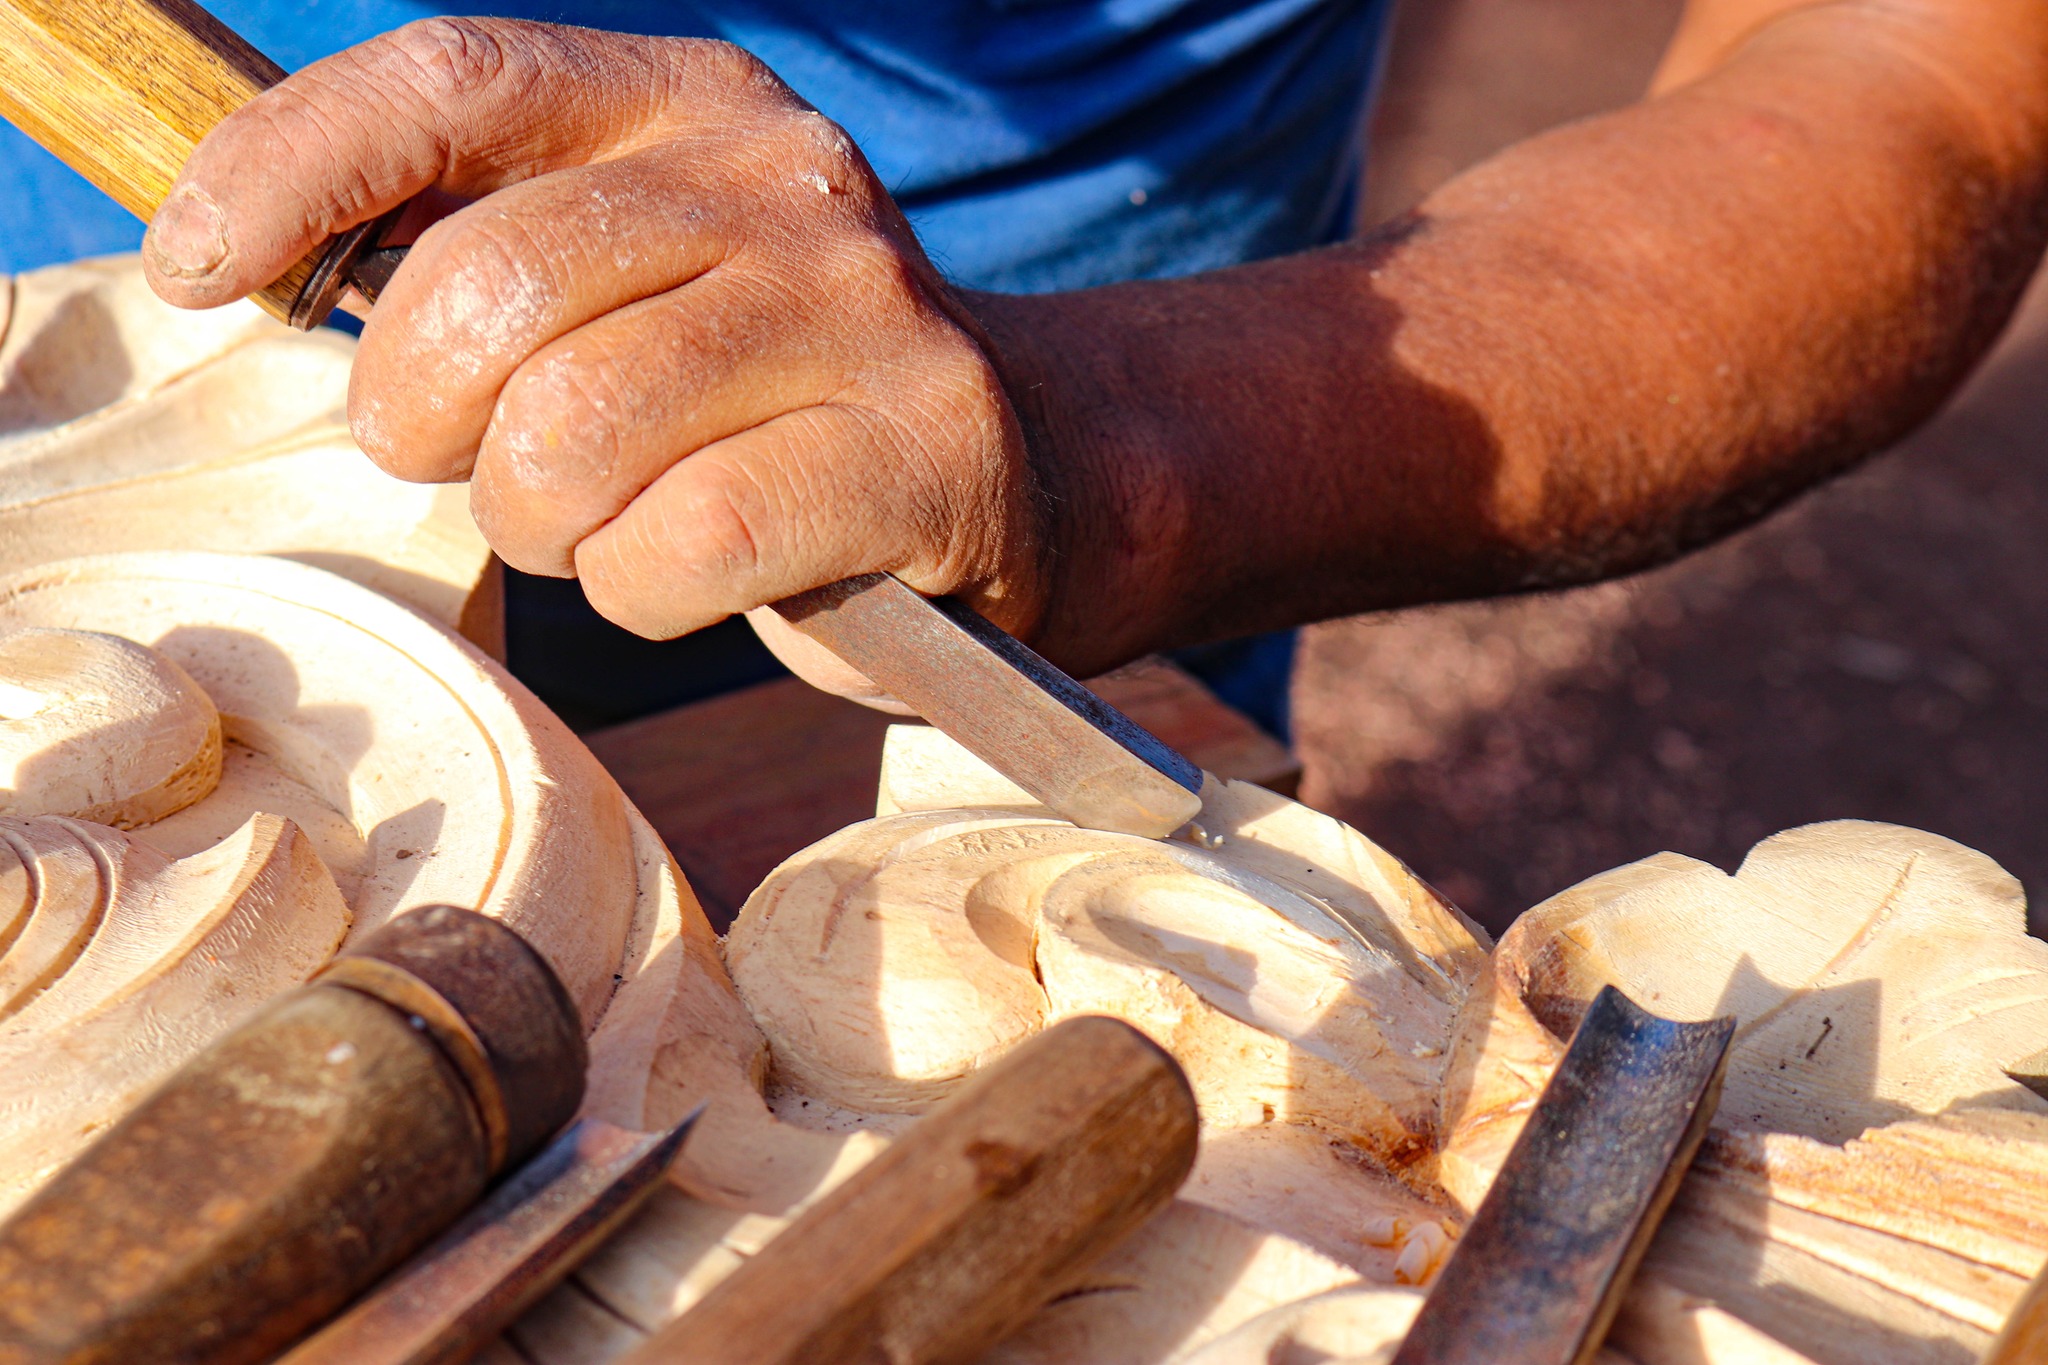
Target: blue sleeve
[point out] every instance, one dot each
(1035, 144)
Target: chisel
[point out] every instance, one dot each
(123, 90)
(300, 1157)
(451, 1300)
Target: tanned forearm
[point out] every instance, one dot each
(1597, 350)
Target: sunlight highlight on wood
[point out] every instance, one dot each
(128, 424)
(1873, 1190)
(100, 728)
(368, 761)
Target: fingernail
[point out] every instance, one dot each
(189, 235)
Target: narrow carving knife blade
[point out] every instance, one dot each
(1542, 1267)
(1086, 760)
(453, 1298)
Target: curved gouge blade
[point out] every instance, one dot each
(452, 1299)
(1082, 757)
(1543, 1265)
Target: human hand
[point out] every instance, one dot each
(673, 331)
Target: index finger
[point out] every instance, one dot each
(466, 105)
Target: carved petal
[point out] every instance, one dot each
(1885, 1202)
(1878, 972)
(101, 728)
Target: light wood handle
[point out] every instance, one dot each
(978, 1215)
(122, 91)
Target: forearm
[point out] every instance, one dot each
(1600, 348)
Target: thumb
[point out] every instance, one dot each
(468, 105)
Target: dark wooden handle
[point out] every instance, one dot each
(983, 1211)
(122, 91)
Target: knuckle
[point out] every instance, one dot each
(711, 72)
(487, 295)
(518, 528)
(868, 270)
(820, 165)
(614, 581)
(721, 521)
(447, 56)
(557, 425)
(728, 67)
(504, 256)
(807, 137)
(385, 432)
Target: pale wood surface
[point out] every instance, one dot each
(100, 728)
(1278, 1207)
(127, 424)
(991, 1205)
(738, 783)
(1873, 1189)
(366, 750)
(123, 90)
(124, 960)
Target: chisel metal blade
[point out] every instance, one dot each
(452, 1299)
(1543, 1264)
(1082, 757)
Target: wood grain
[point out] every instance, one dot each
(970, 1222)
(123, 90)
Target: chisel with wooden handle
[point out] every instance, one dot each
(123, 90)
(981, 1213)
(299, 1157)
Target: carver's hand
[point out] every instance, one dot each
(679, 339)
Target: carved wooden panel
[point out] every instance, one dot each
(295, 759)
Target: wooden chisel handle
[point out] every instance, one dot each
(984, 1210)
(123, 90)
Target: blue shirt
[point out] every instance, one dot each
(1035, 144)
